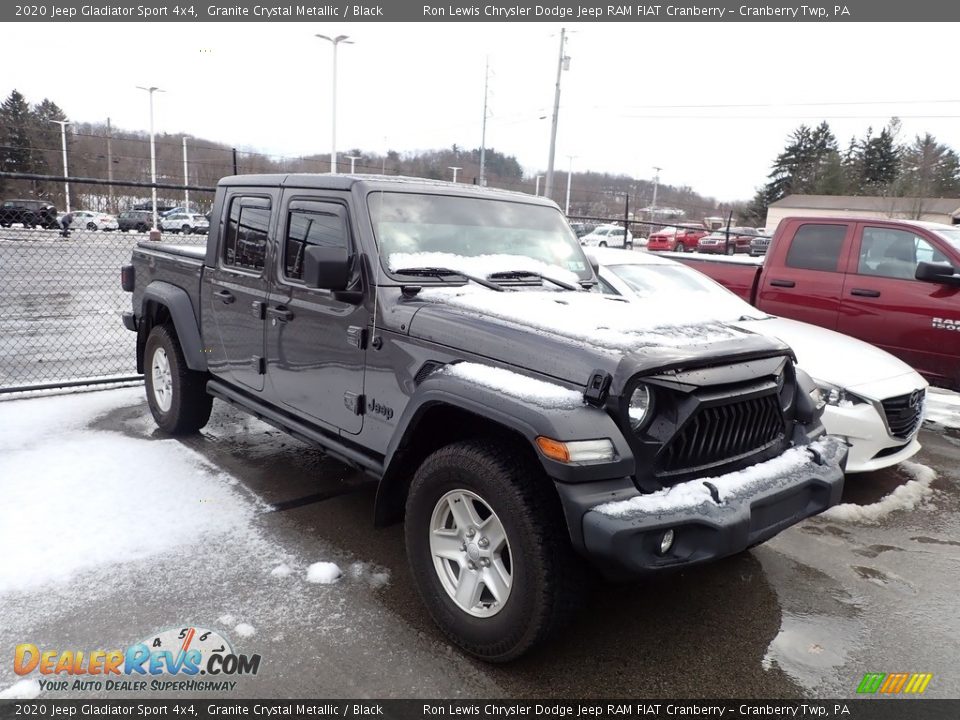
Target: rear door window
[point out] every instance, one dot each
(245, 239)
(817, 247)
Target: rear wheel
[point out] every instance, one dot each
(176, 394)
(185, 229)
(91, 226)
(488, 547)
(603, 243)
(679, 247)
(731, 249)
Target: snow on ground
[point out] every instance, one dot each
(324, 573)
(281, 570)
(592, 318)
(21, 690)
(908, 496)
(245, 630)
(544, 394)
(75, 498)
(943, 408)
(688, 495)
(738, 259)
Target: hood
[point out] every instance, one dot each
(569, 335)
(833, 357)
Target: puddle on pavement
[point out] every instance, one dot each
(810, 648)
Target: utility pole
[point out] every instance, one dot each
(186, 177)
(566, 209)
(153, 153)
(454, 171)
(537, 190)
(333, 140)
(656, 182)
(483, 134)
(113, 207)
(562, 61)
(63, 142)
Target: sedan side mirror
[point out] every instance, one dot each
(326, 268)
(943, 273)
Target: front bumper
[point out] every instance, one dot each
(622, 538)
(871, 445)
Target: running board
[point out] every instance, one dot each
(328, 442)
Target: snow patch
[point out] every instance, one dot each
(21, 690)
(365, 573)
(245, 630)
(943, 408)
(281, 571)
(693, 493)
(525, 388)
(480, 265)
(908, 496)
(592, 318)
(323, 573)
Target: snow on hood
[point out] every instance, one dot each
(590, 318)
(544, 394)
(480, 265)
(836, 358)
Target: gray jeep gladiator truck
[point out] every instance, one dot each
(453, 342)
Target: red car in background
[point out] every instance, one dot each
(717, 243)
(680, 238)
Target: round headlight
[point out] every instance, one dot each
(639, 408)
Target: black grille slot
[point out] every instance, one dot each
(723, 433)
(904, 413)
(425, 370)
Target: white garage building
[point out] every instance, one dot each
(941, 210)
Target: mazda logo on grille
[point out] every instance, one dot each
(915, 397)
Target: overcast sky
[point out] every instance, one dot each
(625, 104)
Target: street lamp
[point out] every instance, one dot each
(333, 140)
(153, 153)
(450, 167)
(566, 209)
(563, 63)
(656, 182)
(537, 190)
(63, 143)
(353, 162)
(186, 177)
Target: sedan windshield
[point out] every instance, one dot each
(952, 236)
(481, 235)
(671, 283)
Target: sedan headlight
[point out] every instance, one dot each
(641, 402)
(837, 396)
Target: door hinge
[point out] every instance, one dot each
(259, 365)
(354, 402)
(257, 309)
(357, 336)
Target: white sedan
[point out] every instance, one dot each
(184, 222)
(873, 400)
(90, 220)
(607, 236)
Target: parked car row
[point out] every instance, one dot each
(37, 213)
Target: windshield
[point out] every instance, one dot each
(415, 230)
(668, 282)
(952, 236)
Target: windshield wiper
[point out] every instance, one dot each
(517, 274)
(441, 272)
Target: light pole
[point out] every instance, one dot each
(449, 167)
(186, 177)
(566, 209)
(63, 143)
(153, 153)
(562, 64)
(656, 182)
(333, 137)
(353, 162)
(537, 190)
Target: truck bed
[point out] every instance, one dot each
(178, 265)
(739, 274)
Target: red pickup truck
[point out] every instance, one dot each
(892, 283)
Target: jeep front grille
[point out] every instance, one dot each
(904, 413)
(723, 433)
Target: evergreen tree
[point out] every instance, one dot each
(929, 169)
(15, 131)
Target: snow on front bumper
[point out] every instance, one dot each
(715, 517)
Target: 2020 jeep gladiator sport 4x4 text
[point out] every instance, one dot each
(444, 339)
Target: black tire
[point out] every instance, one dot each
(141, 228)
(603, 243)
(548, 578)
(185, 229)
(731, 249)
(91, 226)
(189, 406)
(679, 247)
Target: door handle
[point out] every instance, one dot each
(783, 283)
(863, 292)
(226, 296)
(280, 314)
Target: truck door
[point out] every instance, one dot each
(884, 303)
(804, 280)
(316, 343)
(235, 293)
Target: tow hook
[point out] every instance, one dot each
(815, 454)
(714, 493)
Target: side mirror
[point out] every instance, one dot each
(326, 268)
(594, 263)
(943, 273)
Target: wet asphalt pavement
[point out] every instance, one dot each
(804, 615)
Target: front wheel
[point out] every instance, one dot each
(489, 550)
(91, 226)
(176, 394)
(731, 250)
(603, 243)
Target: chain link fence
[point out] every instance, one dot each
(60, 295)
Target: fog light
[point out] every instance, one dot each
(666, 542)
